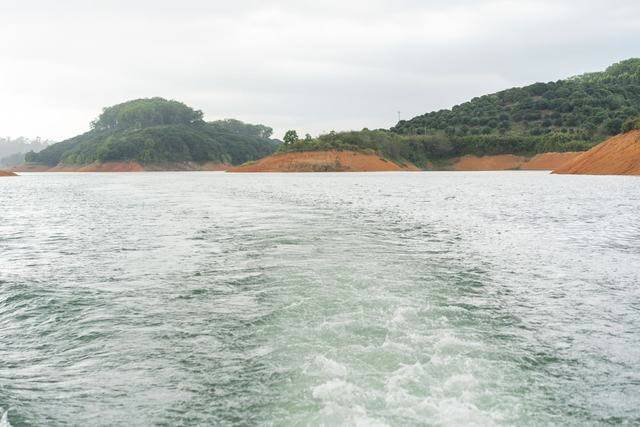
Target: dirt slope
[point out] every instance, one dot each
(545, 161)
(323, 161)
(619, 155)
(7, 173)
(488, 163)
(549, 161)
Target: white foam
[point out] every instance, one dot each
(451, 343)
(454, 411)
(399, 315)
(4, 420)
(353, 415)
(460, 383)
(330, 367)
(405, 374)
(335, 390)
(396, 346)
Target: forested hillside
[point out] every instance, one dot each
(568, 115)
(155, 130)
(587, 108)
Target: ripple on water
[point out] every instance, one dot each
(335, 299)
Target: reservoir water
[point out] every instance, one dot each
(506, 298)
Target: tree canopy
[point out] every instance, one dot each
(240, 128)
(290, 137)
(159, 131)
(141, 113)
(588, 108)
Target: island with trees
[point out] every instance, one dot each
(156, 134)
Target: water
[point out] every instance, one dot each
(308, 299)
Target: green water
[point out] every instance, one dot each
(508, 298)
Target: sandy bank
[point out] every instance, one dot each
(7, 173)
(126, 167)
(619, 155)
(323, 161)
(545, 161)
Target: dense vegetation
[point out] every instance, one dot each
(141, 113)
(588, 108)
(567, 115)
(159, 131)
(419, 149)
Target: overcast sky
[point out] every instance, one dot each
(313, 66)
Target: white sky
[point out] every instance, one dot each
(313, 66)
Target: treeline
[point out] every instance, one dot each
(233, 126)
(419, 149)
(586, 108)
(159, 131)
(147, 112)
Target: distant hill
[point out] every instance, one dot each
(158, 131)
(12, 151)
(585, 109)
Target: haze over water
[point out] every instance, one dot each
(376, 299)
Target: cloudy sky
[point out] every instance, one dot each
(309, 65)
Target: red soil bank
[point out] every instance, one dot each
(545, 161)
(323, 161)
(619, 155)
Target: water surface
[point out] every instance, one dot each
(305, 299)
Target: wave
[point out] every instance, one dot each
(4, 418)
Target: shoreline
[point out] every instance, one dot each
(329, 161)
(126, 167)
(352, 161)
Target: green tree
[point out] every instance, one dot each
(290, 137)
(614, 126)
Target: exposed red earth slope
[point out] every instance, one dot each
(544, 161)
(619, 155)
(323, 161)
